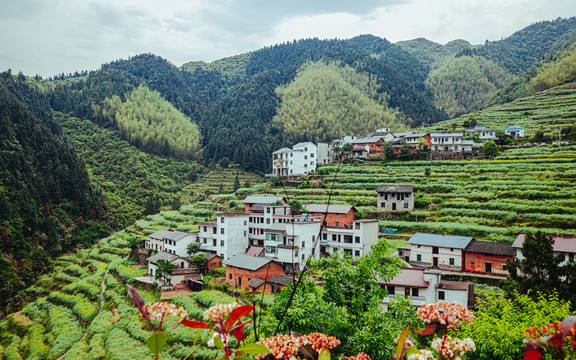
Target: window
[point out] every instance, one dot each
(305, 157)
(472, 263)
(324, 236)
(434, 250)
(268, 210)
(295, 253)
(311, 155)
(334, 238)
(356, 252)
(391, 290)
(441, 295)
(205, 241)
(357, 239)
(357, 226)
(405, 205)
(337, 223)
(418, 257)
(230, 276)
(214, 230)
(205, 228)
(503, 266)
(222, 231)
(222, 220)
(244, 233)
(221, 242)
(268, 221)
(244, 222)
(313, 238)
(213, 242)
(303, 244)
(382, 204)
(302, 256)
(452, 261)
(414, 291)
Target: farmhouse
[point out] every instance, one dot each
(427, 287)
(488, 257)
(272, 285)
(178, 262)
(438, 251)
(258, 201)
(395, 197)
(171, 241)
(563, 245)
(515, 131)
(300, 160)
(333, 215)
(240, 269)
(483, 133)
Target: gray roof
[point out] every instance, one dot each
(416, 135)
(331, 209)
(516, 127)
(491, 248)
(365, 140)
(446, 241)
(395, 188)
(162, 255)
(259, 199)
(255, 282)
(276, 227)
(247, 262)
(403, 134)
(283, 150)
(280, 280)
(303, 144)
(169, 234)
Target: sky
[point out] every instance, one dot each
(49, 37)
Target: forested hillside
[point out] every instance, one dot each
(47, 202)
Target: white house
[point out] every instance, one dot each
(300, 160)
(170, 241)
(483, 132)
(563, 245)
(226, 235)
(438, 251)
(395, 197)
(515, 131)
(446, 141)
(355, 239)
(178, 262)
(424, 286)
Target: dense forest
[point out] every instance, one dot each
(47, 202)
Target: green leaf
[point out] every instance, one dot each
(253, 349)
(324, 354)
(156, 342)
(218, 343)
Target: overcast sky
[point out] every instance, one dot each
(49, 37)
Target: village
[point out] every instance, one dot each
(264, 247)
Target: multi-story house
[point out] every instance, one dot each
(427, 287)
(355, 238)
(257, 202)
(446, 145)
(563, 245)
(488, 257)
(515, 131)
(300, 160)
(395, 197)
(438, 251)
(332, 215)
(226, 235)
(170, 241)
(483, 133)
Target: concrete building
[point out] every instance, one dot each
(483, 133)
(170, 240)
(395, 197)
(515, 131)
(438, 251)
(563, 245)
(424, 286)
(298, 161)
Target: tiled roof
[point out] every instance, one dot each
(408, 277)
(395, 188)
(255, 282)
(162, 255)
(280, 280)
(247, 262)
(255, 251)
(491, 248)
(446, 134)
(331, 209)
(259, 199)
(565, 244)
(454, 285)
(169, 234)
(446, 241)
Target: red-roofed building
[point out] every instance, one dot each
(333, 215)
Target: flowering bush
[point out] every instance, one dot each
(450, 315)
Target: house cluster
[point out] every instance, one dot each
(305, 157)
(428, 256)
(266, 240)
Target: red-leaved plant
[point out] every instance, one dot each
(556, 339)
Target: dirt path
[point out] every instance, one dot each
(99, 311)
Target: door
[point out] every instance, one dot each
(393, 206)
(488, 267)
(435, 261)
